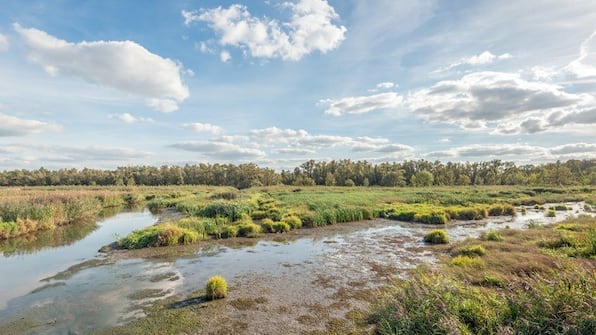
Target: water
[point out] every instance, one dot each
(104, 293)
(26, 263)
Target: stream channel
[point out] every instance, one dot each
(61, 284)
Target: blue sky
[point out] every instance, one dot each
(112, 83)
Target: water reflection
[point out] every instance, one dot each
(32, 243)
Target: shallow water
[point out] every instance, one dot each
(101, 295)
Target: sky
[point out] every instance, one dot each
(110, 83)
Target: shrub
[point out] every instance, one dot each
(281, 227)
(407, 216)
(474, 250)
(229, 231)
(267, 226)
(249, 230)
(551, 213)
(216, 288)
(493, 236)
(437, 236)
(293, 221)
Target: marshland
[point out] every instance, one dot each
(300, 259)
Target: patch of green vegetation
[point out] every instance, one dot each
(474, 250)
(551, 213)
(493, 236)
(436, 236)
(468, 262)
(520, 289)
(216, 288)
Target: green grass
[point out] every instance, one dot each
(216, 288)
(436, 236)
(522, 287)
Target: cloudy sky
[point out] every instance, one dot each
(277, 82)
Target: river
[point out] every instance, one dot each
(70, 288)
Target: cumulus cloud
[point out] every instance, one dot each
(123, 65)
(3, 43)
(361, 104)
(310, 28)
(301, 142)
(574, 148)
(13, 126)
(482, 97)
(519, 152)
(220, 150)
(203, 128)
(224, 56)
(129, 118)
(385, 85)
(274, 135)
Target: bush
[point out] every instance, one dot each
(293, 221)
(281, 227)
(229, 231)
(437, 236)
(267, 226)
(493, 236)
(249, 230)
(216, 288)
(551, 213)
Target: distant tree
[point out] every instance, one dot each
(422, 178)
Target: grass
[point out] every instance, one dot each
(225, 212)
(527, 284)
(216, 288)
(436, 236)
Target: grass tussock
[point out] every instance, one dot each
(436, 236)
(216, 288)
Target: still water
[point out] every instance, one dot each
(69, 288)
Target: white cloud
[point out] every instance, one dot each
(444, 140)
(129, 118)
(123, 65)
(584, 65)
(361, 104)
(203, 128)
(295, 151)
(224, 56)
(518, 152)
(3, 43)
(310, 29)
(220, 150)
(487, 150)
(483, 58)
(274, 135)
(385, 85)
(574, 148)
(77, 155)
(480, 98)
(366, 139)
(13, 126)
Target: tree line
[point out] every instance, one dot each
(330, 173)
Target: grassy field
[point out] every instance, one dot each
(537, 281)
(224, 212)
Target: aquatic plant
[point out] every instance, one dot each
(436, 236)
(216, 288)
